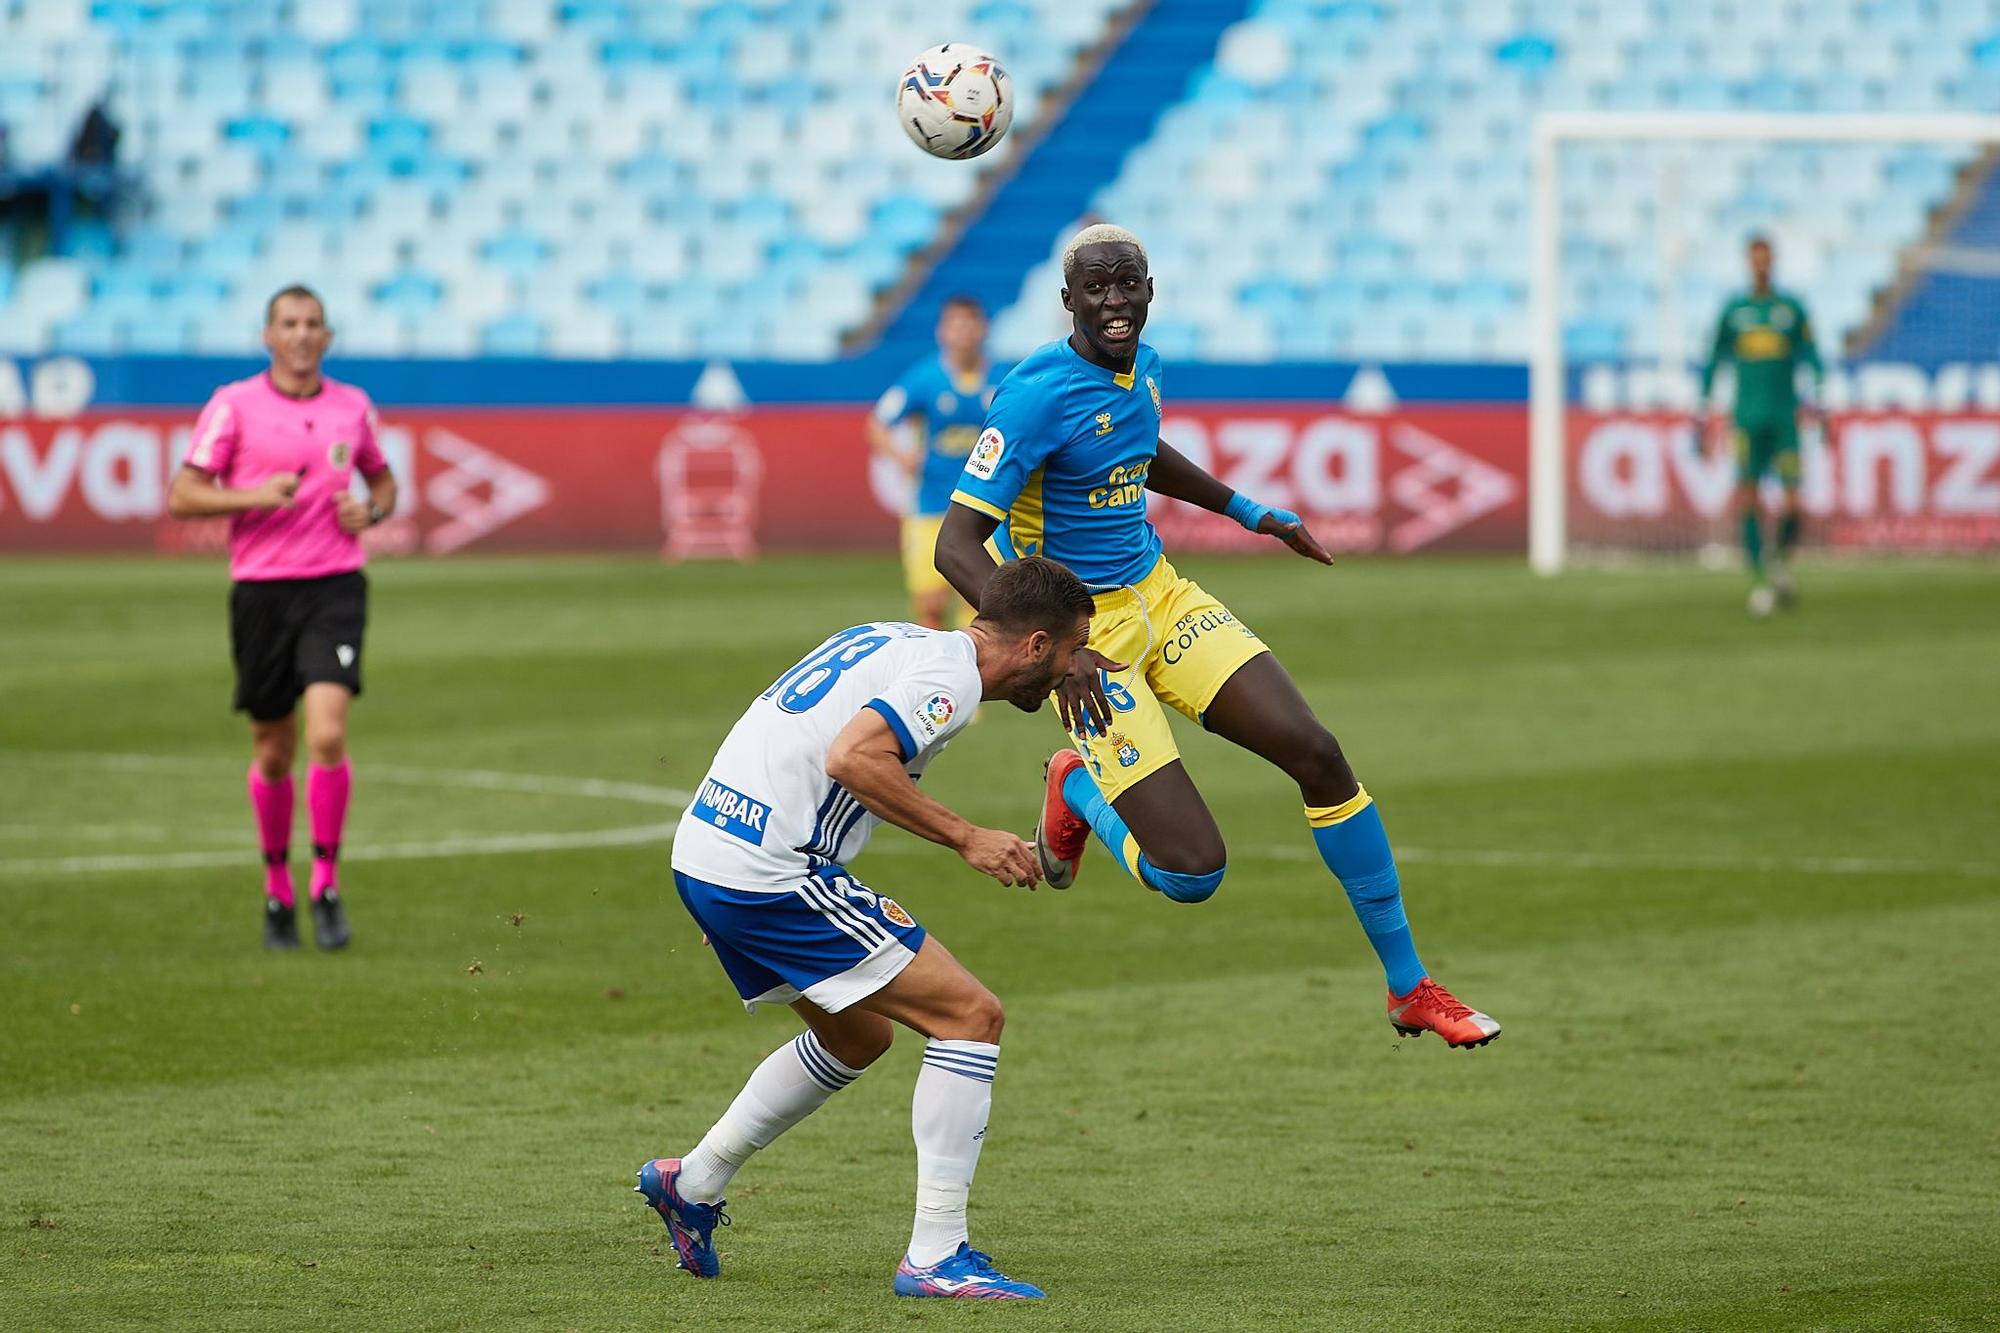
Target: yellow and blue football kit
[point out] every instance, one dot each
(947, 411)
(1062, 464)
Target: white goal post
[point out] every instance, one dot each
(1549, 463)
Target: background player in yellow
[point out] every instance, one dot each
(1063, 468)
(1766, 335)
(942, 400)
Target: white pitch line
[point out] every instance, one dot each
(116, 832)
(535, 784)
(481, 779)
(504, 844)
(642, 793)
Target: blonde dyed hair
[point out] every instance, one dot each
(1100, 233)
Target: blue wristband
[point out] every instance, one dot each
(1245, 510)
(1249, 513)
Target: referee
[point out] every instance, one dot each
(277, 453)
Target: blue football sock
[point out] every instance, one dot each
(1087, 803)
(1355, 847)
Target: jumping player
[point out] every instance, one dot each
(831, 749)
(945, 397)
(1067, 456)
(1765, 334)
(277, 452)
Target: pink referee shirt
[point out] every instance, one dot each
(249, 431)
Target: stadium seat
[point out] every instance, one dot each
(343, 118)
(406, 152)
(1424, 192)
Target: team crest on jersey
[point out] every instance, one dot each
(1103, 423)
(340, 453)
(947, 403)
(1154, 389)
(985, 455)
(894, 911)
(1128, 753)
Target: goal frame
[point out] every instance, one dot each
(1548, 462)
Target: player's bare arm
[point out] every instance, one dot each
(355, 515)
(881, 440)
(195, 493)
(866, 760)
(962, 558)
(1175, 476)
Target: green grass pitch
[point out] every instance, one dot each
(1733, 887)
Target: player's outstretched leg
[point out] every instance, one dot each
(1261, 709)
(1073, 808)
(793, 1081)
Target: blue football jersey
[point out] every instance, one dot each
(948, 413)
(1063, 461)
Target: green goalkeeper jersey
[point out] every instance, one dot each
(1767, 338)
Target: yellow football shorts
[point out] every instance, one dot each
(1179, 645)
(920, 536)
(920, 575)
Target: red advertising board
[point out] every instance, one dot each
(1412, 479)
(476, 479)
(1878, 481)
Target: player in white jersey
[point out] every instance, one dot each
(832, 749)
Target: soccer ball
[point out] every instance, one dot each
(955, 101)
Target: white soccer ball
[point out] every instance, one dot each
(955, 101)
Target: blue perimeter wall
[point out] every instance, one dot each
(188, 381)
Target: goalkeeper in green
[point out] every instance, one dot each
(1766, 335)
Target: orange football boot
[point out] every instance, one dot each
(1060, 836)
(1430, 1007)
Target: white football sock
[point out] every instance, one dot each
(948, 1118)
(794, 1081)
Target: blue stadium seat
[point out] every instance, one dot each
(1529, 52)
(1424, 191)
(409, 294)
(517, 252)
(517, 334)
(616, 147)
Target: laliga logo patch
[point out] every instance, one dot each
(1154, 389)
(894, 911)
(939, 709)
(985, 456)
(340, 453)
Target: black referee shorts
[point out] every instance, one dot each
(286, 634)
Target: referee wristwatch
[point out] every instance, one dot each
(376, 513)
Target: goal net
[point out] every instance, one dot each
(1885, 227)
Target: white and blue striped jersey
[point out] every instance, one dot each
(767, 815)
